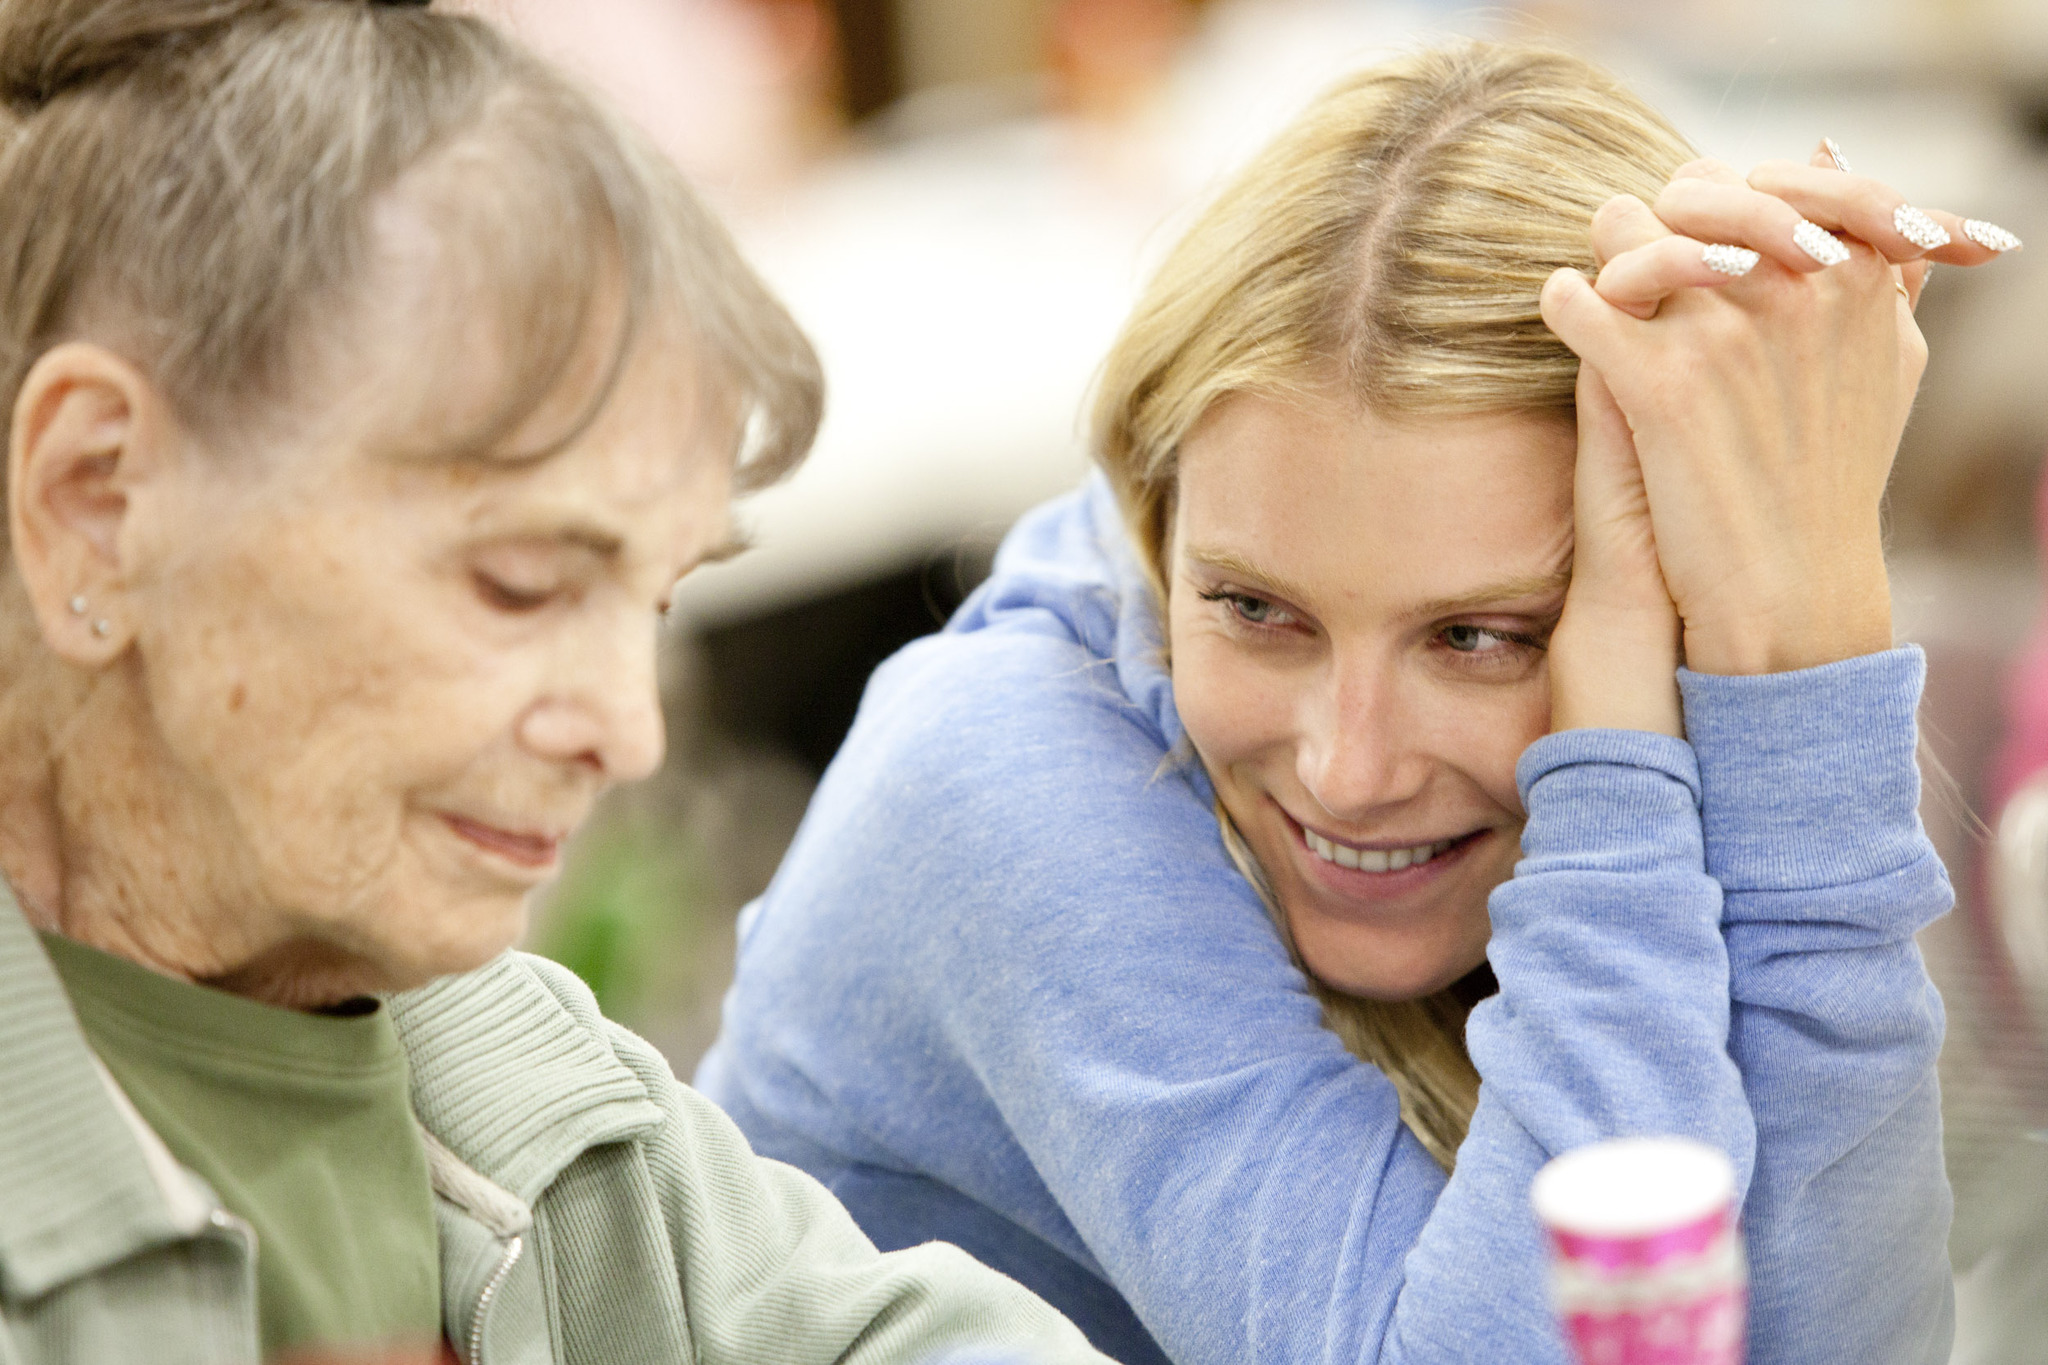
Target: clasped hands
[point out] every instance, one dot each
(1735, 433)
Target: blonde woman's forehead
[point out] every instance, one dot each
(1317, 500)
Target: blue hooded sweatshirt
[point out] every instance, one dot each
(1008, 990)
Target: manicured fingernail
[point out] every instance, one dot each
(1729, 260)
(1835, 155)
(1990, 235)
(1817, 242)
(1917, 228)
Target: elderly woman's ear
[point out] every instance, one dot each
(90, 433)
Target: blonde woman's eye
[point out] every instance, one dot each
(1468, 639)
(1477, 639)
(1253, 611)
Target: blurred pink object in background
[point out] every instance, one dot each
(2023, 751)
(1110, 56)
(742, 93)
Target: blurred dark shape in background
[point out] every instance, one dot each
(868, 56)
(958, 199)
(791, 679)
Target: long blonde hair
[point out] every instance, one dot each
(1396, 236)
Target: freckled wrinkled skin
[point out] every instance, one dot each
(253, 791)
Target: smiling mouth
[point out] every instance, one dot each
(532, 851)
(1379, 859)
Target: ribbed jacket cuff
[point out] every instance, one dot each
(1808, 778)
(1620, 800)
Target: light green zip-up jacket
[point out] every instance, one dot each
(592, 1210)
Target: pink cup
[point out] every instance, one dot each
(1647, 1265)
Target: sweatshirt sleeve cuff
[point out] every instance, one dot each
(1620, 800)
(1808, 778)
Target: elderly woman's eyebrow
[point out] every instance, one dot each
(736, 543)
(602, 543)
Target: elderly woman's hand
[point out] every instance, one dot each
(1765, 412)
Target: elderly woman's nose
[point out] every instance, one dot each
(1355, 748)
(604, 710)
(624, 741)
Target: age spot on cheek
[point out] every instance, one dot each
(237, 696)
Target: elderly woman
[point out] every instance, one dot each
(370, 389)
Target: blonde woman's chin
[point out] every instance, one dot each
(1400, 949)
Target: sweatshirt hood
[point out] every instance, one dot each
(1072, 558)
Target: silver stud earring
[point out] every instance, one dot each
(102, 629)
(78, 605)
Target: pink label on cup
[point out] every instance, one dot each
(1643, 1253)
(1703, 1331)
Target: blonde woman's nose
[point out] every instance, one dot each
(1355, 753)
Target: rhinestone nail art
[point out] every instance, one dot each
(1729, 260)
(1917, 228)
(1990, 235)
(1835, 155)
(1817, 242)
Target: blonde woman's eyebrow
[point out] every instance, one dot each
(1232, 563)
(1492, 595)
(1481, 598)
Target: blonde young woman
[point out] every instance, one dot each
(369, 387)
(1402, 532)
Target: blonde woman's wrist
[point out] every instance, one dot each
(1616, 671)
(1815, 620)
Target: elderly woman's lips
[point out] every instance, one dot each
(527, 850)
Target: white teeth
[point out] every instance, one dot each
(1373, 859)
